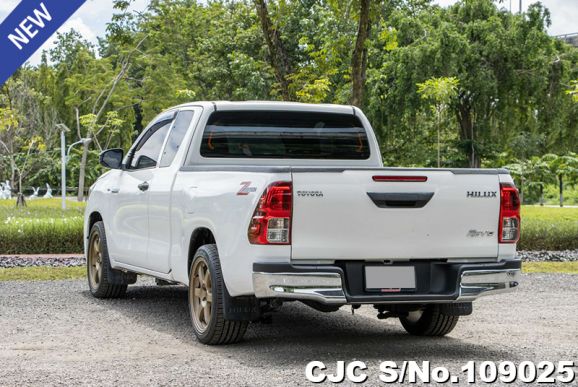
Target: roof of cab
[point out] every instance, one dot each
(272, 105)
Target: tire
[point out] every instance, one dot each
(206, 301)
(429, 322)
(98, 270)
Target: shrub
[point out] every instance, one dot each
(41, 227)
(549, 228)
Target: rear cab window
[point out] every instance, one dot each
(284, 135)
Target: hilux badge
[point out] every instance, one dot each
(481, 194)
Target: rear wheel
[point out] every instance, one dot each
(429, 322)
(98, 266)
(206, 300)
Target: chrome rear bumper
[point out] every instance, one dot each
(477, 283)
(328, 287)
(322, 287)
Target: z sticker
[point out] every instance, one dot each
(246, 188)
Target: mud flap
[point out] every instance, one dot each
(456, 309)
(243, 308)
(118, 277)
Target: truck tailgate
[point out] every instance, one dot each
(347, 215)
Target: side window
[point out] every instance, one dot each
(147, 151)
(176, 136)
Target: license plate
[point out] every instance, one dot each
(389, 278)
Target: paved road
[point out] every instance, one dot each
(56, 333)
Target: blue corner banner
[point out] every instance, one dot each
(26, 29)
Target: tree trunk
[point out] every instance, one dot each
(439, 129)
(561, 186)
(20, 200)
(359, 57)
(82, 171)
(465, 119)
(277, 54)
(13, 171)
(542, 195)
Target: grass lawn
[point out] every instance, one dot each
(42, 273)
(41, 227)
(69, 273)
(551, 214)
(550, 267)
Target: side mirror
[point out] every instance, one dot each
(112, 158)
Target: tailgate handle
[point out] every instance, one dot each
(400, 199)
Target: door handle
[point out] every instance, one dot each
(113, 190)
(143, 186)
(400, 199)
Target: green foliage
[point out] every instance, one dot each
(502, 90)
(511, 86)
(552, 195)
(541, 172)
(8, 119)
(439, 91)
(573, 91)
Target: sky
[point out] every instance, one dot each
(91, 19)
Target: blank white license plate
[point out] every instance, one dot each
(389, 278)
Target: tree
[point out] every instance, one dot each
(539, 175)
(440, 92)
(8, 123)
(26, 126)
(511, 80)
(277, 53)
(92, 89)
(19, 148)
(359, 57)
(516, 86)
(563, 167)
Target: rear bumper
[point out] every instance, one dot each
(436, 282)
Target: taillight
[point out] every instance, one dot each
(271, 222)
(509, 214)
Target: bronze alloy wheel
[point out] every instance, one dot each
(104, 282)
(207, 293)
(201, 295)
(95, 266)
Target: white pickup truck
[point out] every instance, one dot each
(252, 204)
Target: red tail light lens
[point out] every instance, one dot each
(271, 222)
(509, 228)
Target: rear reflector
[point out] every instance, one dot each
(400, 178)
(271, 222)
(509, 227)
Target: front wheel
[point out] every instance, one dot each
(206, 300)
(429, 322)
